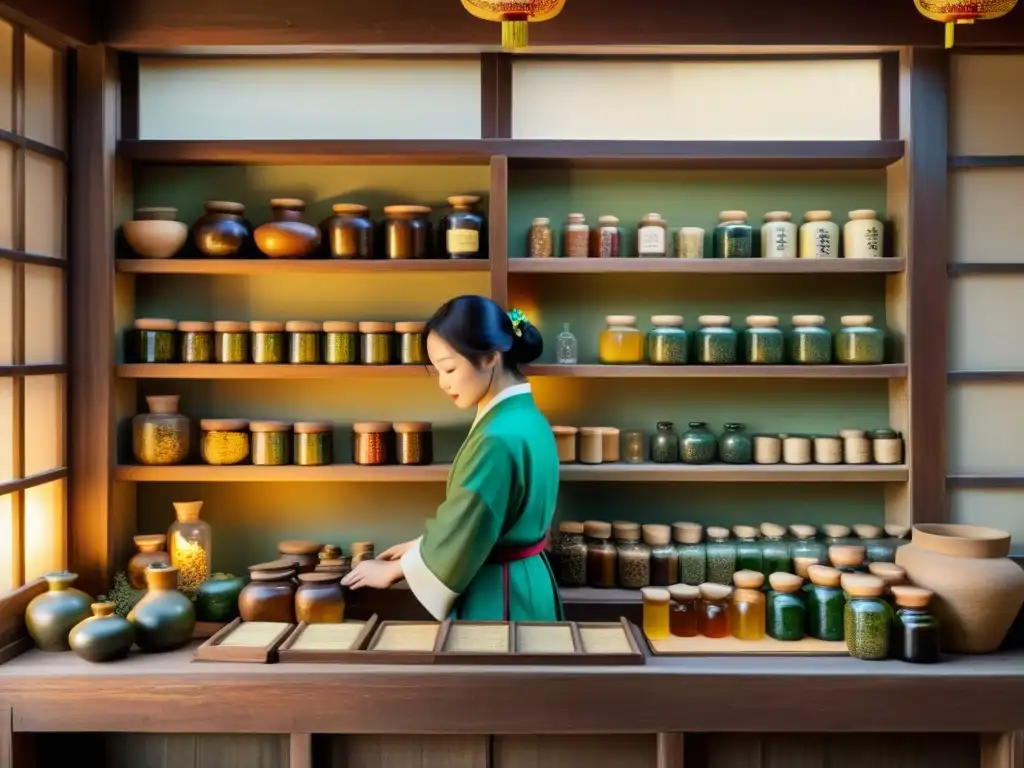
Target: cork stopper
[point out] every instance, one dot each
(867, 531)
(405, 210)
(655, 595)
(846, 555)
(688, 533)
(862, 585)
(312, 427)
(715, 591)
(773, 530)
(785, 582)
(802, 565)
(411, 427)
(289, 203)
(376, 326)
(890, 573)
(353, 209)
(597, 529)
(748, 579)
(729, 216)
(187, 511)
(608, 221)
(835, 531)
(745, 532)
(102, 609)
(824, 576)
(715, 532)
(163, 403)
(571, 526)
(818, 215)
(299, 547)
(230, 326)
(270, 426)
(778, 216)
(541, 221)
(565, 431)
(762, 321)
(320, 577)
(266, 326)
(714, 321)
(284, 564)
(371, 427)
(411, 326)
(683, 592)
(161, 576)
(463, 201)
(803, 532)
(628, 320)
(897, 531)
(150, 542)
(195, 326)
(223, 425)
(863, 213)
(667, 321)
(303, 326)
(626, 531)
(340, 326)
(657, 535)
(849, 321)
(224, 206)
(154, 324)
(808, 321)
(576, 218)
(911, 597)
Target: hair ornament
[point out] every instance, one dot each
(518, 317)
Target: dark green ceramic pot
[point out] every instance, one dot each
(164, 619)
(104, 636)
(217, 599)
(51, 616)
(698, 444)
(735, 446)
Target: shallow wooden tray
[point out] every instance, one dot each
(393, 643)
(609, 643)
(206, 629)
(730, 646)
(476, 642)
(255, 642)
(345, 647)
(541, 642)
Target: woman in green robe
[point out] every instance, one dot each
(482, 555)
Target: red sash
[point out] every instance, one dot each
(503, 556)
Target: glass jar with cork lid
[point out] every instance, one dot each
(271, 443)
(633, 555)
(412, 341)
(541, 240)
(716, 340)
(733, 238)
(573, 554)
(376, 342)
(372, 443)
(225, 441)
(867, 618)
(602, 555)
(190, 545)
(858, 343)
(691, 553)
(652, 237)
(407, 231)
(747, 611)
(763, 342)
(606, 238)
(667, 343)
(196, 341)
(155, 340)
(349, 232)
(231, 342)
(314, 443)
(576, 237)
(304, 341)
(664, 557)
(721, 553)
(162, 436)
(810, 342)
(341, 342)
(620, 343)
(464, 229)
(414, 444)
(267, 342)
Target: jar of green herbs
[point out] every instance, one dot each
(826, 604)
(775, 549)
(196, 337)
(692, 553)
(748, 548)
(231, 342)
(267, 342)
(786, 614)
(763, 342)
(154, 340)
(858, 343)
(303, 341)
(721, 554)
(667, 341)
(341, 342)
(716, 340)
(810, 342)
(867, 618)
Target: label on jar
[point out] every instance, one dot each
(463, 241)
(651, 241)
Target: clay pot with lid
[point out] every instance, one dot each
(164, 618)
(104, 636)
(151, 551)
(163, 436)
(222, 232)
(270, 595)
(978, 590)
(302, 553)
(319, 599)
(349, 232)
(50, 617)
(287, 236)
(155, 233)
(407, 231)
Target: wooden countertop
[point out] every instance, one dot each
(170, 693)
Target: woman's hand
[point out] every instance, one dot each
(377, 574)
(396, 552)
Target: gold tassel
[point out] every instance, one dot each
(514, 35)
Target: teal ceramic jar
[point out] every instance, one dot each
(763, 342)
(104, 636)
(665, 444)
(698, 444)
(716, 340)
(733, 238)
(164, 619)
(667, 342)
(810, 342)
(858, 343)
(51, 616)
(735, 445)
(217, 599)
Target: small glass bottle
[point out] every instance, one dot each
(633, 555)
(807, 545)
(664, 557)
(541, 240)
(915, 628)
(775, 549)
(656, 612)
(349, 232)
(863, 235)
(825, 604)
(652, 237)
(692, 554)
(867, 618)
(819, 236)
(576, 237)
(190, 544)
(713, 610)
(716, 340)
(665, 444)
(698, 445)
(667, 342)
(735, 445)
(682, 616)
(748, 549)
(572, 554)
(778, 236)
(786, 612)
(747, 610)
(601, 554)
(733, 238)
(858, 343)
(810, 342)
(566, 347)
(875, 550)
(634, 446)
(721, 552)
(606, 238)
(620, 343)
(763, 342)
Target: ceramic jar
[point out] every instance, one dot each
(863, 236)
(828, 449)
(810, 342)
(407, 232)
(222, 232)
(565, 442)
(217, 598)
(978, 590)
(270, 595)
(620, 343)
(857, 343)
(190, 542)
(162, 436)
(698, 444)
(50, 617)
(196, 338)
(155, 233)
(464, 230)
(304, 554)
(349, 232)
(319, 599)
(287, 236)
(652, 237)
(796, 449)
(164, 618)
(819, 236)
(763, 342)
(767, 449)
(716, 340)
(778, 236)
(151, 552)
(856, 446)
(667, 342)
(102, 637)
(665, 444)
(733, 238)
(154, 340)
(886, 446)
(606, 238)
(734, 446)
(575, 237)
(591, 445)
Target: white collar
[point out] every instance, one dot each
(505, 394)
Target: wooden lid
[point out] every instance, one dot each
(836, 531)
(849, 321)
(411, 326)
(354, 208)
(714, 320)
(897, 531)
(298, 547)
(824, 576)
(818, 215)
(846, 555)
(608, 221)
(103, 608)
(891, 573)
(911, 597)
(852, 434)
(564, 430)
(376, 326)
(688, 533)
(313, 427)
(464, 199)
(650, 218)
(801, 531)
(405, 427)
(292, 203)
(745, 532)
(340, 326)
(195, 326)
(804, 321)
(230, 326)
(773, 530)
(320, 577)
(597, 529)
(590, 431)
(224, 425)
(748, 579)
(762, 321)
(303, 326)
(620, 320)
(576, 218)
(163, 403)
(862, 585)
(655, 595)
(666, 321)
(622, 529)
(867, 531)
(714, 591)
(609, 431)
(717, 532)
(863, 213)
(266, 326)
(657, 535)
(371, 427)
(732, 216)
(155, 324)
(270, 426)
(151, 542)
(283, 564)
(399, 210)
(692, 231)
(541, 221)
(778, 216)
(803, 564)
(224, 206)
(571, 526)
(684, 592)
(785, 582)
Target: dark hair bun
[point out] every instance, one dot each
(527, 347)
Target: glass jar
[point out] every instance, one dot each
(222, 231)
(763, 342)
(683, 610)
(225, 441)
(664, 557)
(819, 236)
(267, 342)
(287, 236)
(690, 243)
(565, 443)
(867, 618)
(721, 552)
(412, 340)
(606, 238)
(767, 449)
(857, 343)
(778, 236)
(341, 342)
(748, 549)
(698, 444)
(665, 444)
(915, 628)
(807, 545)
(735, 445)
(190, 544)
(634, 446)
(314, 443)
(414, 443)
(716, 340)
(633, 555)
(775, 549)
(713, 610)
(620, 343)
(886, 446)
(828, 449)
(151, 552)
(407, 232)
(567, 350)
(786, 612)
(271, 443)
(656, 611)
(591, 445)
(155, 340)
(303, 341)
(836, 534)
(601, 555)
(376, 342)
(691, 553)
(733, 238)
(810, 343)
(572, 555)
(575, 237)
(371, 443)
(541, 241)
(349, 232)
(464, 228)
(162, 436)
(652, 237)
(796, 449)
(875, 550)
(863, 235)
(196, 341)
(231, 342)
(667, 342)
(747, 611)
(825, 604)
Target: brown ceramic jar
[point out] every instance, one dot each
(270, 596)
(319, 599)
(287, 236)
(151, 550)
(222, 232)
(302, 553)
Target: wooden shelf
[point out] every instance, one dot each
(670, 473)
(295, 266)
(592, 595)
(268, 372)
(558, 266)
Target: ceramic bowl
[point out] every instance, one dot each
(155, 239)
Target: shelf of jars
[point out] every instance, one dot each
(256, 267)
(789, 266)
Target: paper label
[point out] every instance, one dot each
(463, 241)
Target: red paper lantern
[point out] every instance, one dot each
(952, 12)
(515, 16)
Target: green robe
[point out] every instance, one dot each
(502, 492)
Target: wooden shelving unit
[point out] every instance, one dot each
(295, 266)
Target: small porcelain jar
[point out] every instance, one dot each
(565, 442)
(716, 340)
(733, 238)
(667, 343)
(856, 446)
(828, 449)
(819, 236)
(858, 343)
(767, 449)
(778, 236)
(810, 342)
(763, 342)
(886, 446)
(796, 449)
(863, 236)
(591, 445)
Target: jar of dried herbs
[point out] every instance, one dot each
(633, 555)
(407, 232)
(810, 343)
(267, 342)
(412, 342)
(231, 341)
(692, 554)
(541, 241)
(825, 603)
(464, 228)
(303, 341)
(775, 549)
(606, 238)
(160, 437)
(341, 342)
(154, 340)
(225, 441)
(372, 443)
(602, 554)
(763, 342)
(721, 551)
(664, 557)
(667, 342)
(573, 554)
(733, 238)
(576, 237)
(196, 341)
(716, 340)
(735, 445)
(875, 550)
(271, 443)
(858, 343)
(867, 618)
(414, 442)
(376, 342)
(314, 443)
